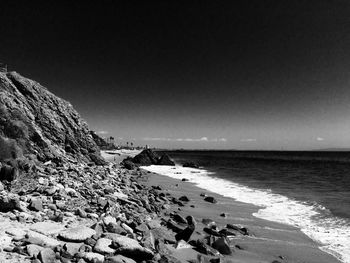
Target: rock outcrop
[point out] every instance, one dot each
(35, 121)
(149, 157)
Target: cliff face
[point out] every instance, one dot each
(35, 121)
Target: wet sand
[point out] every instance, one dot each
(268, 241)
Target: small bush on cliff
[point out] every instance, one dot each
(9, 149)
(16, 129)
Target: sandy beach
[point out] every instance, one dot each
(268, 241)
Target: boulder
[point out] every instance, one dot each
(184, 198)
(41, 240)
(92, 257)
(103, 246)
(70, 249)
(36, 204)
(129, 247)
(33, 250)
(222, 246)
(128, 164)
(190, 165)
(188, 231)
(9, 203)
(210, 199)
(202, 247)
(77, 234)
(47, 228)
(178, 218)
(165, 160)
(146, 157)
(47, 255)
(8, 173)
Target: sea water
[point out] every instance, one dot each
(309, 190)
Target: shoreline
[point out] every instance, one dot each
(271, 240)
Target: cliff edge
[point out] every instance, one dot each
(34, 122)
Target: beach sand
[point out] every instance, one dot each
(268, 241)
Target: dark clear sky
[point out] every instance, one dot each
(192, 74)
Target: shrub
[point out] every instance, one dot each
(9, 149)
(16, 129)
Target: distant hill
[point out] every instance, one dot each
(334, 150)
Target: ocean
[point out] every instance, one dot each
(309, 190)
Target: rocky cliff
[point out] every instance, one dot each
(34, 122)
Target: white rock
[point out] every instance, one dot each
(109, 219)
(47, 228)
(90, 256)
(76, 234)
(102, 246)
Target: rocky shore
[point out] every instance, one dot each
(83, 213)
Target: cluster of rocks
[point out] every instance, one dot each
(83, 213)
(147, 157)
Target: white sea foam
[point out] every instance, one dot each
(333, 234)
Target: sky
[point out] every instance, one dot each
(265, 75)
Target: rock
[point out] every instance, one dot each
(148, 240)
(16, 233)
(9, 203)
(146, 157)
(91, 241)
(119, 259)
(210, 199)
(115, 228)
(184, 198)
(165, 160)
(77, 234)
(222, 246)
(208, 221)
(243, 230)
(182, 244)
(190, 165)
(8, 173)
(109, 219)
(178, 218)
(203, 248)
(188, 231)
(93, 257)
(47, 255)
(41, 240)
(127, 228)
(80, 212)
(129, 247)
(70, 249)
(33, 250)
(128, 164)
(36, 204)
(103, 246)
(47, 228)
